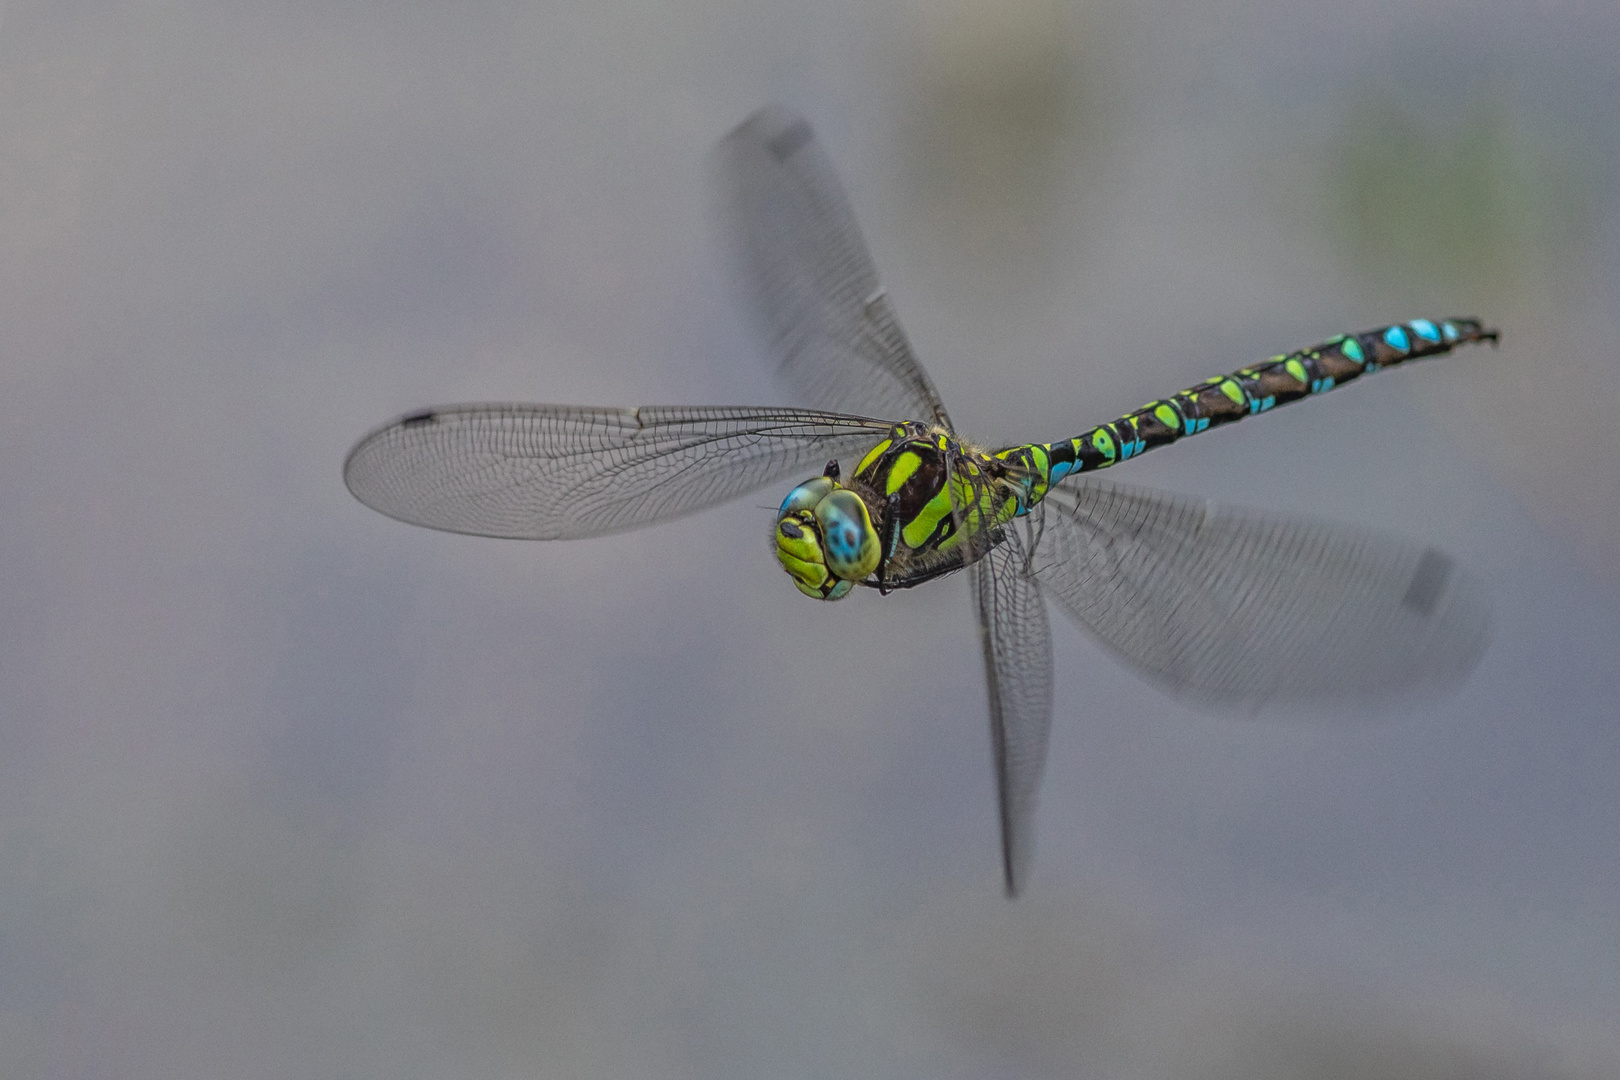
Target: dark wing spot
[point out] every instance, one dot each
(1428, 582)
(426, 416)
(790, 140)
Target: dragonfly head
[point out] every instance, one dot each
(824, 537)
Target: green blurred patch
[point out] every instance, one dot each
(999, 101)
(1497, 214)
(1469, 209)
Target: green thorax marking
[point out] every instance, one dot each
(916, 478)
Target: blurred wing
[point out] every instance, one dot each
(1018, 669)
(808, 275)
(1243, 607)
(554, 472)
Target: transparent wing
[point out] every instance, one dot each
(552, 472)
(1248, 608)
(807, 274)
(1018, 669)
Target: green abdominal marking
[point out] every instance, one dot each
(1228, 398)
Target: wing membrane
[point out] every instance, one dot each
(1244, 607)
(809, 277)
(552, 472)
(1018, 670)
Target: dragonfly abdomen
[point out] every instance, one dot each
(1245, 392)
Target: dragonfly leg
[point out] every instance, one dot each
(891, 522)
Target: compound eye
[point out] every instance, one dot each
(806, 495)
(848, 539)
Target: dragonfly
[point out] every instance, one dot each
(1222, 605)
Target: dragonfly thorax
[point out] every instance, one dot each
(901, 519)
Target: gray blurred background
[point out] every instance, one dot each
(289, 789)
